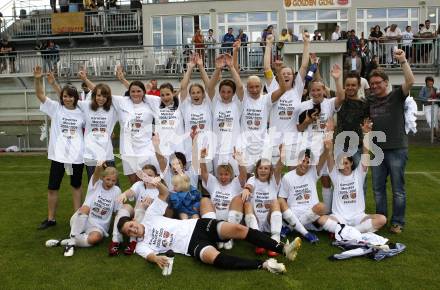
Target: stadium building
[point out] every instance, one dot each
(153, 40)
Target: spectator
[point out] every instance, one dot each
(51, 56)
(210, 41)
(374, 64)
(293, 37)
(388, 115)
(152, 88)
(426, 93)
(392, 35)
(336, 34)
(7, 55)
(344, 35)
(243, 55)
(317, 36)
(228, 41)
(64, 5)
(364, 52)
(426, 45)
(364, 89)
(53, 5)
(352, 63)
(266, 32)
(112, 4)
(352, 41)
(374, 38)
(407, 39)
(199, 43)
(284, 37)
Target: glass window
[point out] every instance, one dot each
(343, 26)
(170, 31)
(236, 17)
(376, 13)
(398, 13)
(359, 14)
(257, 16)
(187, 29)
(204, 22)
(156, 24)
(414, 12)
(327, 14)
(255, 31)
(360, 28)
(400, 24)
(274, 16)
(382, 25)
(290, 15)
(157, 39)
(343, 14)
(414, 26)
(306, 15)
(221, 18)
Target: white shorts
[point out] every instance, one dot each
(428, 114)
(89, 226)
(353, 221)
(132, 164)
(302, 216)
(221, 215)
(263, 223)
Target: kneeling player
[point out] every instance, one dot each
(197, 238)
(91, 222)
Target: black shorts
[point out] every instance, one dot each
(204, 234)
(57, 173)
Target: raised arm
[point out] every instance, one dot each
(235, 76)
(83, 76)
(121, 77)
(38, 83)
(99, 168)
(336, 73)
(202, 70)
(186, 77)
(407, 72)
(159, 156)
(219, 63)
(268, 74)
(235, 51)
(367, 127)
(279, 165)
(305, 56)
(276, 95)
(203, 167)
(327, 155)
(52, 82)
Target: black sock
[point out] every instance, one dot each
(259, 239)
(225, 261)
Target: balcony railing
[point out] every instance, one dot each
(108, 21)
(165, 60)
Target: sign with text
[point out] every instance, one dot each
(304, 4)
(67, 22)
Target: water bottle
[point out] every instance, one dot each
(166, 271)
(311, 72)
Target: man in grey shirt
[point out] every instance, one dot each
(387, 113)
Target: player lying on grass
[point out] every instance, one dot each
(198, 237)
(90, 224)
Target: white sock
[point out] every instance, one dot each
(366, 226)
(292, 219)
(251, 221)
(209, 215)
(310, 217)
(330, 225)
(327, 198)
(276, 222)
(78, 224)
(117, 236)
(81, 241)
(234, 216)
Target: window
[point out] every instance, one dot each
(376, 13)
(252, 23)
(236, 17)
(434, 16)
(258, 16)
(327, 14)
(398, 13)
(298, 20)
(367, 18)
(306, 15)
(170, 31)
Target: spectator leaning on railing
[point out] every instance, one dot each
(387, 113)
(392, 35)
(243, 55)
(426, 45)
(426, 93)
(352, 41)
(210, 41)
(407, 39)
(336, 34)
(7, 55)
(228, 41)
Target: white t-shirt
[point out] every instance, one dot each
(226, 123)
(98, 132)
(221, 196)
(197, 117)
(300, 191)
(85, 97)
(102, 203)
(136, 126)
(262, 196)
(141, 192)
(163, 234)
(407, 38)
(254, 119)
(394, 33)
(364, 86)
(335, 35)
(66, 140)
(282, 114)
(348, 196)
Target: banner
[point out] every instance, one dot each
(304, 4)
(67, 22)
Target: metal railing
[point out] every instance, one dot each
(101, 62)
(107, 21)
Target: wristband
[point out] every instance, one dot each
(268, 74)
(248, 187)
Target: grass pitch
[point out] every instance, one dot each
(25, 263)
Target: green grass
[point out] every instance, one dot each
(25, 263)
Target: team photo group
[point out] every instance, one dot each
(221, 160)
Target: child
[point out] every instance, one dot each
(144, 193)
(186, 198)
(90, 224)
